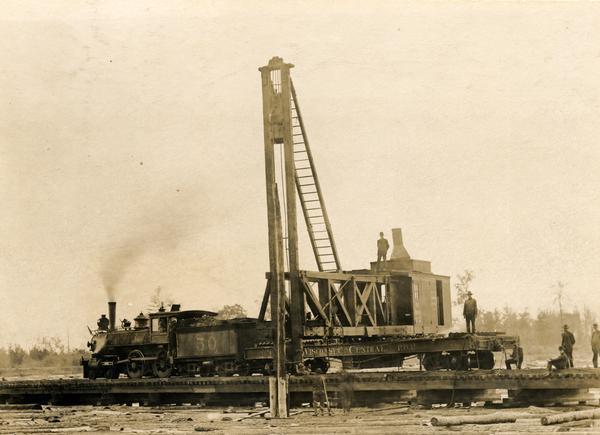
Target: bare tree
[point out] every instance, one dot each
(157, 299)
(231, 312)
(559, 296)
(462, 286)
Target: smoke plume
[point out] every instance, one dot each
(163, 232)
(115, 266)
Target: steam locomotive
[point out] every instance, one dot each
(175, 342)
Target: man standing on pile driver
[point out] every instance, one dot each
(382, 248)
(595, 344)
(568, 340)
(470, 313)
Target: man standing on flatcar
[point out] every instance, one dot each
(568, 340)
(470, 313)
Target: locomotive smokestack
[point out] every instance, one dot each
(112, 315)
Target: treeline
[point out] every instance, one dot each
(540, 333)
(47, 352)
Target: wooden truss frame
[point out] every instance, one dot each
(338, 299)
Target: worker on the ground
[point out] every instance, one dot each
(103, 323)
(318, 395)
(595, 344)
(382, 249)
(346, 391)
(560, 362)
(568, 340)
(470, 313)
(515, 358)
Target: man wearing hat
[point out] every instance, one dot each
(103, 323)
(470, 312)
(595, 344)
(560, 362)
(382, 249)
(568, 340)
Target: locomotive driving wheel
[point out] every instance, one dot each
(161, 367)
(135, 367)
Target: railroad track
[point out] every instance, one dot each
(531, 386)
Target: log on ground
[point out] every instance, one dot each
(473, 419)
(571, 416)
(255, 414)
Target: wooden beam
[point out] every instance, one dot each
(364, 299)
(265, 303)
(272, 128)
(339, 304)
(313, 302)
(342, 276)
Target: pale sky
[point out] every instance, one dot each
(131, 144)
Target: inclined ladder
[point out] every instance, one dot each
(311, 198)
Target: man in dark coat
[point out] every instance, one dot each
(561, 362)
(595, 344)
(568, 340)
(470, 313)
(382, 249)
(515, 358)
(103, 323)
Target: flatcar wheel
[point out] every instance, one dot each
(431, 361)
(318, 365)
(161, 368)
(135, 369)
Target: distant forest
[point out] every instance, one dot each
(540, 334)
(47, 352)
